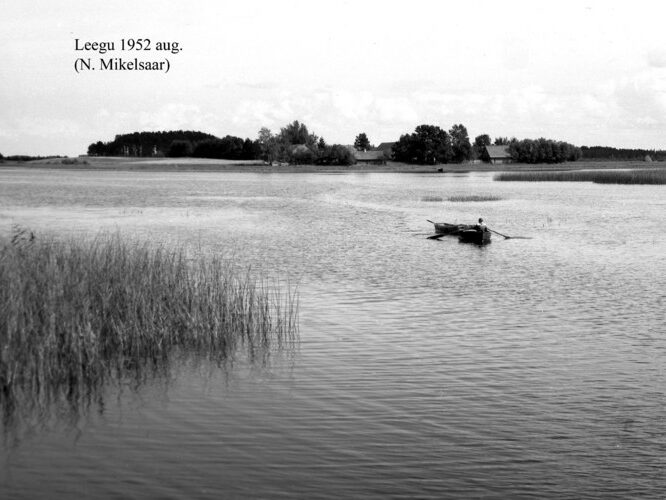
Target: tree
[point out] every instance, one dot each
(480, 143)
(362, 143)
(460, 145)
(228, 148)
(178, 149)
(281, 147)
(336, 154)
(429, 144)
(301, 155)
(97, 149)
(504, 141)
(145, 143)
(543, 151)
(251, 150)
(267, 145)
(297, 133)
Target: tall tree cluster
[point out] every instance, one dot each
(430, 144)
(362, 143)
(295, 144)
(543, 151)
(177, 144)
(145, 143)
(480, 143)
(529, 150)
(228, 148)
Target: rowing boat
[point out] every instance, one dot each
(446, 228)
(474, 236)
(467, 233)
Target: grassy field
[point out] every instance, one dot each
(201, 164)
(642, 176)
(73, 313)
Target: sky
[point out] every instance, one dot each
(586, 72)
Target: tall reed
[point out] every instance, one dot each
(474, 198)
(645, 176)
(74, 312)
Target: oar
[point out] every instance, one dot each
(511, 237)
(505, 236)
(435, 236)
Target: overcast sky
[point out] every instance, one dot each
(587, 72)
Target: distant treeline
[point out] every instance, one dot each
(146, 144)
(608, 153)
(227, 148)
(293, 144)
(27, 157)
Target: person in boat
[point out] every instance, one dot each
(481, 226)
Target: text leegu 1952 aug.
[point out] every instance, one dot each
(140, 47)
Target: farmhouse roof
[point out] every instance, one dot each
(498, 151)
(299, 148)
(386, 145)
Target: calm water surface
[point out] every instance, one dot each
(425, 369)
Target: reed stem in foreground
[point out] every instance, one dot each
(73, 312)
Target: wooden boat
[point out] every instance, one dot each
(453, 229)
(467, 233)
(474, 236)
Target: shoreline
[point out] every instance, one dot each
(212, 165)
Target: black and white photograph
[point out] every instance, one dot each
(333, 250)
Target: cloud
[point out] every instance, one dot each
(641, 99)
(38, 135)
(176, 116)
(170, 116)
(657, 58)
(632, 108)
(387, 113)
(337, 115)
(47, 127)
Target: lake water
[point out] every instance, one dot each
(424, 369)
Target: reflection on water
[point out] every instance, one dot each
(28, 411)
(430, 369)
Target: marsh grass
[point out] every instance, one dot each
(474, 198)
(645, 176)
(74, 313)
(432, 198)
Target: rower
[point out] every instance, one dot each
(481, 226)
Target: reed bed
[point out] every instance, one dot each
(644, 176)
(474, 198)
(73, 313)
(461, 198)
